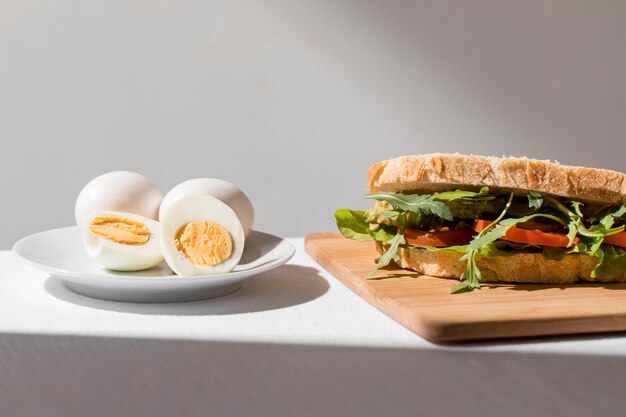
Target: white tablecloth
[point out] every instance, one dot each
(293, 341)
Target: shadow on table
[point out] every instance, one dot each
(283, 287)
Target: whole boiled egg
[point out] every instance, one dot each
(201, 235)
(122, 241)
(121, 191)
(224, 191)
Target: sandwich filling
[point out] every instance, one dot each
(490, 224)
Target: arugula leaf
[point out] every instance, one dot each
(572, 231)
(608, 221)
(352, 224)
(470, 278)
(483, 194)
(504, 225)
(576, 205)
(418, 204)
(391, 254)
(598, 230)
(535, 200)
(604, 228)
(467, 208)
(620, 213)
(572, 219)
(594, 235)
(575, 224)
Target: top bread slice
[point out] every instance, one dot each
(439, 172)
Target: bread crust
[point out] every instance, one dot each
(438, 172)
(521, 267)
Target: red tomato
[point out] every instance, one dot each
(442, 238)
(618, 239)
(529, 237)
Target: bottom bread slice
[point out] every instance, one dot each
(521, 267)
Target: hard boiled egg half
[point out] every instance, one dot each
(123, 191)
(122, 241)
(200, 234)
(224, 191)
(117, 214)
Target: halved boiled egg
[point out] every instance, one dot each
(122, 191)
(122, 241)
(225, 191)
(201, 235)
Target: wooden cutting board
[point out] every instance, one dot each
(424, 304)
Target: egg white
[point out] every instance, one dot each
(199, 207)
(119, 256)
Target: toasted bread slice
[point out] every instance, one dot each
(437, 172)
(521, 267)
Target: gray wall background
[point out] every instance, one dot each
(294, 101)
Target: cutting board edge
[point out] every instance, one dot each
(440, 332)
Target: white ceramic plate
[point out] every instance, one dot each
(60, 253)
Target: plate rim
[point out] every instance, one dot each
(63, 273)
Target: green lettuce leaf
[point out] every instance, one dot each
(382, 232)
(614, 261)
(352, 224)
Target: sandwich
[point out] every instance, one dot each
(489, 219)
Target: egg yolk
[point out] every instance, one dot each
(120, 230)
(204, 243)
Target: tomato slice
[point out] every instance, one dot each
(439, 239)
(529, 237)
(618, 239)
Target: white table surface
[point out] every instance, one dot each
(293, 341)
